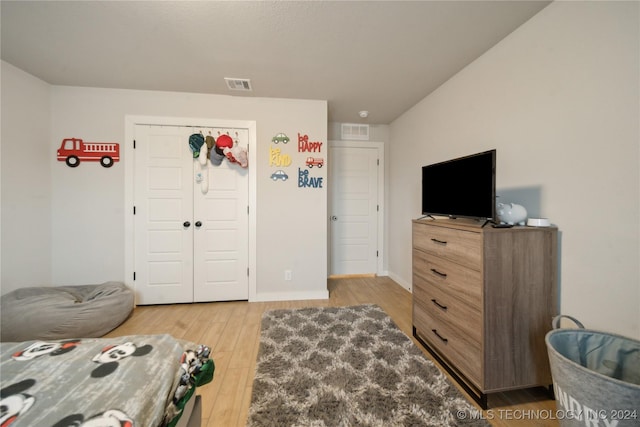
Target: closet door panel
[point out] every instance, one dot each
(221, 243)
(163, 194)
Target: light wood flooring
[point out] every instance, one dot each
(232, 330)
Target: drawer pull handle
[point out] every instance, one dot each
(440, 242)
(435, 331)
(434, 271)
(433, 300)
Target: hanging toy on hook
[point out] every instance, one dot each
(223, 141)
(216, 155)
(204, 168)
(196, 141)
(237, 154)
(210, 141)
(240, 154)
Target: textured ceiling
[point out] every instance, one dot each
(380, 56)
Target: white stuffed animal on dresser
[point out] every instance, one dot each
(511, 213)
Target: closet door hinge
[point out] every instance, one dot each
(377, 254)
(134, 210)
(378, 162)
(134, 275)
(247, 271)
(134, 144)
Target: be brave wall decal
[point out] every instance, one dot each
(305, 180)
(305, 177)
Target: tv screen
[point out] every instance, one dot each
(462, 187)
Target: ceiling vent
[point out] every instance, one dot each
(238, 84)
(355, 131)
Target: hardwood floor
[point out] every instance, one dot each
(232, 330)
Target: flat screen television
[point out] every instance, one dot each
(462, 187)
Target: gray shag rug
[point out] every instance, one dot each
(348, 366)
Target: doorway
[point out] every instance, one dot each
(190, 242)
(356, 207)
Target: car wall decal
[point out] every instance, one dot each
(279, 175)
(281, 137)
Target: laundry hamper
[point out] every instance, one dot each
(596, 376)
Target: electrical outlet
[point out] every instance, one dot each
(287, 275)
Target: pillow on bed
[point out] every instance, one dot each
(52, 313)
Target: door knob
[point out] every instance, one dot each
(334, 218)
(186, 224)
(198, 224)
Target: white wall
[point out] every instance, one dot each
(559, 100)
(291, 221)
(85, 205)
(26, 183)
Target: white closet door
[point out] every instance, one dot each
(191, 245)
(163, 220)
(221, 243)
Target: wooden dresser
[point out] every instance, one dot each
(483, 300)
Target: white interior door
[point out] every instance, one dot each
(163, 206)
(221, 245)
(191, 243)
(354, 210)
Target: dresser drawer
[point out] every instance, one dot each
(460, 352)
(460, 246)
(464, 318)
(463, 283)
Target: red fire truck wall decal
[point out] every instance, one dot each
(72, 151)
(314, 161)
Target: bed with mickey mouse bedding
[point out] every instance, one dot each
(139, 380)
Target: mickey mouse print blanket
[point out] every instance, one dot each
(140, 380)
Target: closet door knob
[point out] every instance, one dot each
(198, 224)
(186, 224)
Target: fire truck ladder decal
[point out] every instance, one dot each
(99, 148)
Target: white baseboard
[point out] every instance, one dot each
(401, 282)
(290, 296)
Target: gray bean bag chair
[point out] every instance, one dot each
(53, 313)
